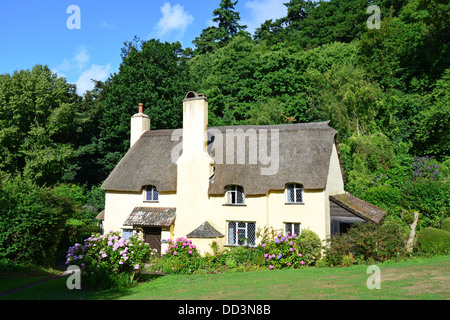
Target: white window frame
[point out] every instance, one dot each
(292, 188)
(238, 232)
(290, 227)
(234, 190)
(151, 190)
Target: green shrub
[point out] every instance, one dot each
(367, 243)
(445, 225)
(429, 197)
(32, 219)
(243, 256)
(310, 245)
(431, 241)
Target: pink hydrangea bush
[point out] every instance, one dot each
(283, 252)
(109, 256)
(182, 247)
(182, 257)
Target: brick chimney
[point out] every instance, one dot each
(140, 122)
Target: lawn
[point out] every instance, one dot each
(423, 279)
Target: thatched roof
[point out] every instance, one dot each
(359, 207)
(148, 162)
(151, 217)
(304, 157)
(205, 230)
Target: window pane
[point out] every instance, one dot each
(288, 228)
(239, 197)
(251, 236)
(127, 233)
(231, 233)
(241, 237)
(151, 193)
(291, 197)
(298, 194)
(297, 228)
(242, 233)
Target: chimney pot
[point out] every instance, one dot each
(141, 108)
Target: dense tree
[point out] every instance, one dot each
(87, 138)
(38, 116)
(433, 130)
(227, 20)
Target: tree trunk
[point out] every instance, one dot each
(412, 233)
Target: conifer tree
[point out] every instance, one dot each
(214, 37)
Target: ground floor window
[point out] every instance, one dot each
(292, 228)
(127, 233)
(241, 233)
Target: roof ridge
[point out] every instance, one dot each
(285, 126)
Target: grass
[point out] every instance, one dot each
(419, 279)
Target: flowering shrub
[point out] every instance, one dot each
(181, 257)
(283, 252)
(109, 260)
(182, 248)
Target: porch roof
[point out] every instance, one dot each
(151, 217)
(360, 208)
(205, 230)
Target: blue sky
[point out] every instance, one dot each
(36, 31)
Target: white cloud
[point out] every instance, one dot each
(95, 72)
(262, 10)
(174, 18)
(79, 70)
(81, 57)
(107, 25)
(77, 62)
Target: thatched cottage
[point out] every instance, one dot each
(224, 184)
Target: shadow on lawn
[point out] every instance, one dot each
(56, 289)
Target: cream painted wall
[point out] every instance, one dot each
(118, 206)
(310, 214)
(335, 183)
(271, 211)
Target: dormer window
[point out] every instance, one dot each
(294, 193)
(234, 195)
(151, 194)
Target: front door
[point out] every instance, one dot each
(152, 235)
